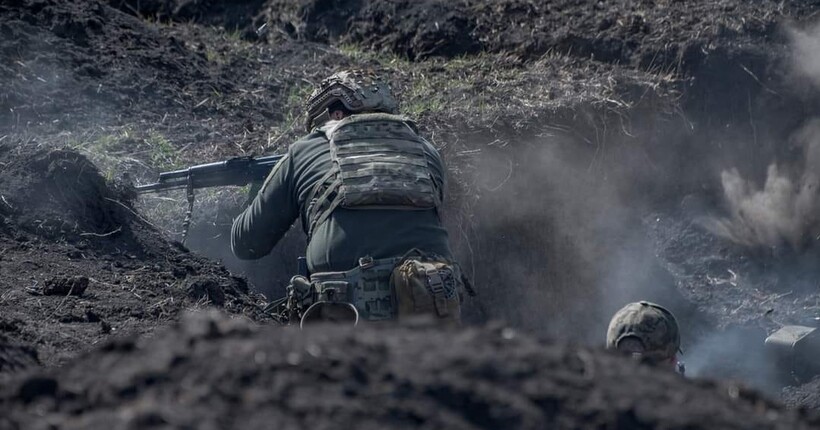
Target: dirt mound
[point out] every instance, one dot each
(79, 264)
(623, 32)
(85, 67)
(214, 371)
(724, 52)
(57, 194)
(233, 16)
(63, 51)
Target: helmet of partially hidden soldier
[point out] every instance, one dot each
(652, 325)
(357, 90)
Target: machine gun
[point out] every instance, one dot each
(242, 171)
(237, 171)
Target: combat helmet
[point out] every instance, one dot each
(357, 90)
(652, 325)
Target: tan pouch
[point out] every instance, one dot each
(427, 288)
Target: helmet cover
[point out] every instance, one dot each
(653, 325)
(359, 91)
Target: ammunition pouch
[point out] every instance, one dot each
(428, 286)
(384, 289)
(366, 287)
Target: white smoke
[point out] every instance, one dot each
(805, 49)
(785, 210)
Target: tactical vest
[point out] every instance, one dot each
(379, 162)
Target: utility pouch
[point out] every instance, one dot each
(331, 305)
(427, 288)
(366, 287)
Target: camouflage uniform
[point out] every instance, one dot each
(653, 326)
(367, 190)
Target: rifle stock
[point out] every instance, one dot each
(237, 171)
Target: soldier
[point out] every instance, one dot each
(368, 190)
(647, 331)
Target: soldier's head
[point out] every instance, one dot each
(645, 330)
(348, 92)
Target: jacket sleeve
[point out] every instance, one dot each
(269, 216)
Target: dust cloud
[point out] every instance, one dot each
(778, 212)
(560, 238)
(805, 46)
(783, 210)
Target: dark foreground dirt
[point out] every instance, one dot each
(215, 372)
(806, 396)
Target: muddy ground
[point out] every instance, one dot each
(585, 145)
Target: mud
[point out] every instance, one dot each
(371, 377)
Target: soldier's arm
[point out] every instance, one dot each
(269, 216)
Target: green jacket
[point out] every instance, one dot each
(347, 235)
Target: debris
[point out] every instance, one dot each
(115, 231)
(64, 286)
(206, 289)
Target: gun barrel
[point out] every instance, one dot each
(156, 186)
(235, 171)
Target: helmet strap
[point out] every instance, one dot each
(321, 119)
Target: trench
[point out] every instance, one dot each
(558, 230)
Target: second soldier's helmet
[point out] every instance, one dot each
(652, 325)
(357, 90)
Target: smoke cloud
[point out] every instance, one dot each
(785, 211)
(562, 239)
(805, 46)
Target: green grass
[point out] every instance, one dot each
(161, 151)
(106, 149)
(212, 56)
(123, 149)
(384, 59)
